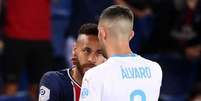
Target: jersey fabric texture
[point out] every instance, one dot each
(123, 78)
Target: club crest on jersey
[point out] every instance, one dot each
(44, 94)
(84, 93)
(85, 90)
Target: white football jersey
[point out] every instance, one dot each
(123, 78)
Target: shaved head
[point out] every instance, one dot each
(115, 30)
(118, 21)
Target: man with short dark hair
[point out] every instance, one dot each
(65, 85)
(125, 76)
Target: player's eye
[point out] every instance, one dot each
(100, 52)
(87, 50)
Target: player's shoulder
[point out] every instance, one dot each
(50, 75)
(154, 68)
(47, 86)
(153, 64)
(56, 80)
(54, 74)
(148, 62)
(52, 85)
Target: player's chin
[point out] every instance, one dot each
(86, 69)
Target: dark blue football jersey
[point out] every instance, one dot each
(58, 86)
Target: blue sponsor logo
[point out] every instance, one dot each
(84, 93)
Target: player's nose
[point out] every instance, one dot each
(92, 59)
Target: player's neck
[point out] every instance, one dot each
(118, 49)
(76, 75)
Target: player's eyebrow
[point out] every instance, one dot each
(87, 48)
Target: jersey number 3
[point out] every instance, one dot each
(138, 93)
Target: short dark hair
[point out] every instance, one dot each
(117, 11)
(89, 29)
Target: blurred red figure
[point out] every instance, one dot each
(27, 42)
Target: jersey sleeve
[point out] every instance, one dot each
(49, 88)
(91, 89)
(159, 75)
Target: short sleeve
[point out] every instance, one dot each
(49, 90)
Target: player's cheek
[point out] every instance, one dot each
(84, 59)
(100, 59)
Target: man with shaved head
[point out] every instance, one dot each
(125, 76)
(65, 85)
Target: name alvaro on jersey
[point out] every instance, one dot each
(135, 72)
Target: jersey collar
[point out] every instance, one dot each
(131, 54)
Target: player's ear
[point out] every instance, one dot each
(74, 48)
(131, 35)
(102, 33)
(74, 58)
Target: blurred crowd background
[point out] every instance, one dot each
(37, 36)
